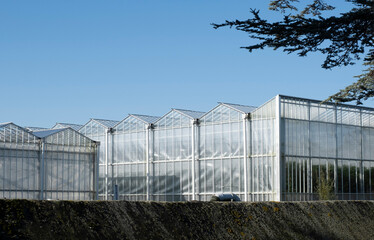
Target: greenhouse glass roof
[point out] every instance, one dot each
(145, 118)
(76, 127)
(105, 122)
(190, 113)
(241, 108)
(5, 124)
(10, 132)
(48, 132)
(34, 128)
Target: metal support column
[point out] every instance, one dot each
(245, 120)
(362, 180)
(42, 171)
(149, 128)
(197, 162)
(106, 165)
(96, 172)
(278, 169)
(193, 144)
(310, 164)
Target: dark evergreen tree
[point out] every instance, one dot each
(343, 39)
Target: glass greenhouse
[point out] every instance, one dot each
(172, 169)
(326, 141)
(278, 151)
(131, 157)
(281, 151)
(46, 164)
(100, 130)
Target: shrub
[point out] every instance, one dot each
(325, 188)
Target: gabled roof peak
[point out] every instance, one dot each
(47, 132)
(189, 113)
(145, 118)
(72, 125)
(5, 123)
(105, 122)
(239, 107)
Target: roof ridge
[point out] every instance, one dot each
(104, 119)
(49, 129)
(135, 114)
(68, 123)
(236, 104)
(180, 109)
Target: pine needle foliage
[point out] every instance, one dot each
(343, 39)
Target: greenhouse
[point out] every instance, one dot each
(282, 150)
(100, 130)
(325, 141)
(172, 168)
(47, 164)
(132, 144)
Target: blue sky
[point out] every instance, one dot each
(68, 61)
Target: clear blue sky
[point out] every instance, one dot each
(68, 61)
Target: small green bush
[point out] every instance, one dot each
(325, 188)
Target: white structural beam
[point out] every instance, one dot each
(96, 172)
(245, 155)
(278, 157)
(106, 164)
(193, 144)
(42, 182)
(149, 128)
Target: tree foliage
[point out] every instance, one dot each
(344, 39)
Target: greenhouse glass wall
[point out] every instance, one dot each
(100, 130)
(48, 164)
(282, 150)
(131, 152)
(173, 177)
(326, 141)
(221, 150)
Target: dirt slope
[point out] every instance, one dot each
(23, 219)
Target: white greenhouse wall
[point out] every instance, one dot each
(19, 163)
(129, 160)
(99, 133)
(278, 151)
(171, 168)
(221, 153)
(326, 140)
(262, 161)
(60, 166)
